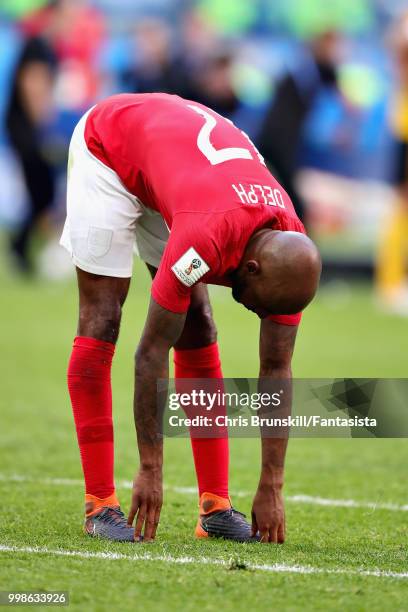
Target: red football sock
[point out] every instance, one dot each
(211, 455)
(89, 384)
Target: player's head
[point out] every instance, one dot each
(278, 274)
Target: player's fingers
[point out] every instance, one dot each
(273, 534)
(149, 523)
(156, 521)
(140, 520)
(264, 535)
(281, 533)
(132, 512)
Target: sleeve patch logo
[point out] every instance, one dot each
(190, 267)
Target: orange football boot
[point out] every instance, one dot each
(104, 519)
(218, 519)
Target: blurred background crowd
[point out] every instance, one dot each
(321, 87)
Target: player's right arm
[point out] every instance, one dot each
(276, 347)
(181, 267)
(162, 330)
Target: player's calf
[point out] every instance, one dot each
(89, 383)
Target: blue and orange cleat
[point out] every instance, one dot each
(104, 519)
(218, 519)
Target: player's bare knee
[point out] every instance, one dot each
(206, 328)
(101, 319)
(200, 317)
(199, 329)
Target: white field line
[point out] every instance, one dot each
(167, 558)
(296, 499)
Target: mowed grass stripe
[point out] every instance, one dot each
(186, 560)
(295, 499)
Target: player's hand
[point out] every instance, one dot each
(268, 514)
(147, 499)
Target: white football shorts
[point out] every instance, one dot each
(106, 224)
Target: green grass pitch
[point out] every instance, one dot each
(347, 551)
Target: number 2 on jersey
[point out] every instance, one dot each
(218, 156)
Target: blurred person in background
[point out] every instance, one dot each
(154, 69)
(75, 31)
(55, 65)
(29, 108)
(192, 64)
(281, 134)
(196, 43)
(392, 288)
(212, 84)
(206, 62)
(198, 67)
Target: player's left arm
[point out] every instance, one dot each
(276, 347)
(162, 330)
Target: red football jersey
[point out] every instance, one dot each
(203, 175)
